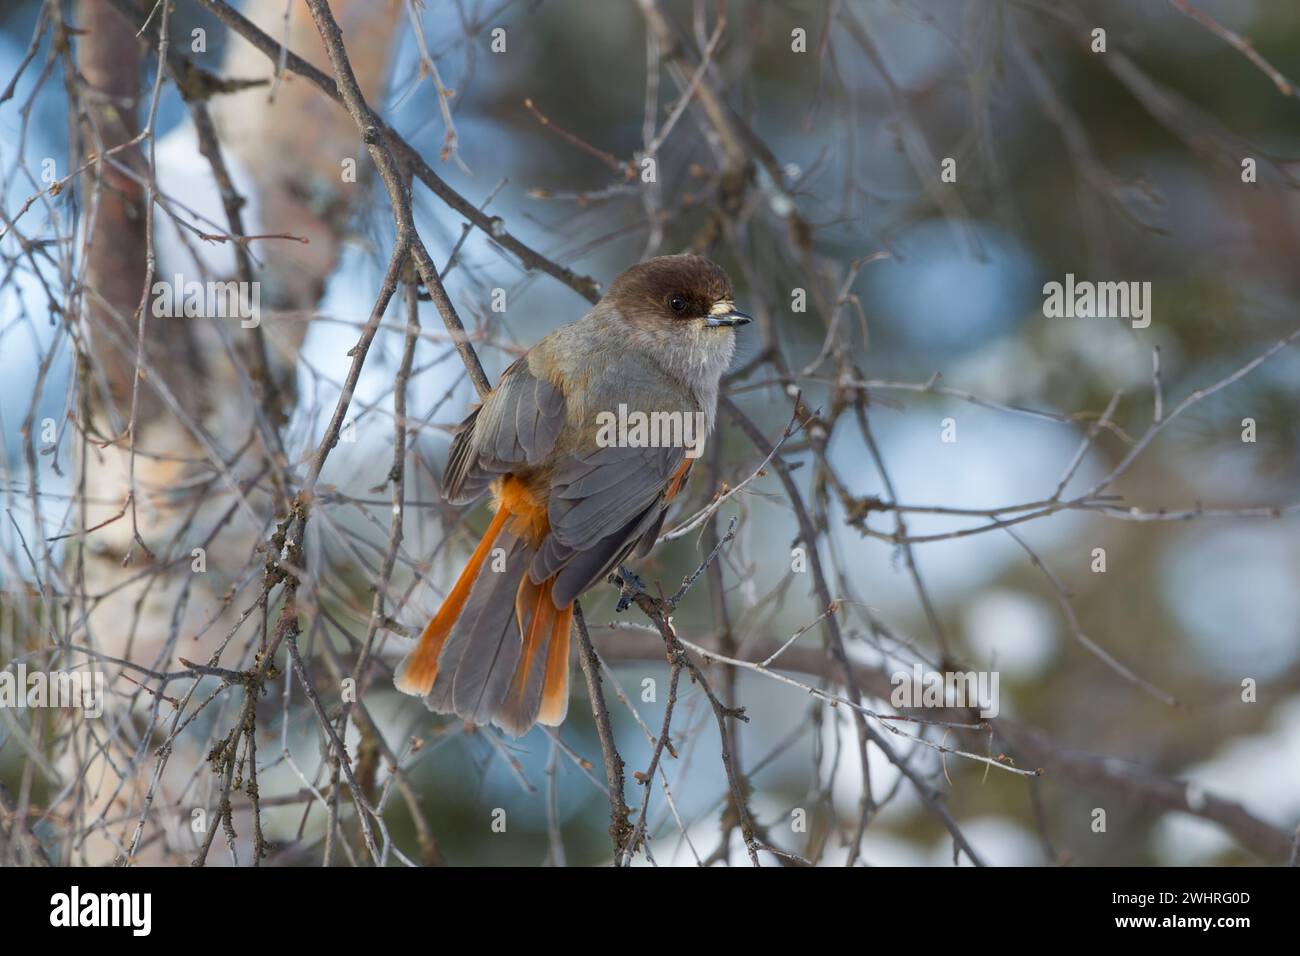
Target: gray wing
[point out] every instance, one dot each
(601, 503)
(517, 424)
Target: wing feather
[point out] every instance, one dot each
(517, 425)
(602, 502)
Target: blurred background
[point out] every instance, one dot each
(924, 303)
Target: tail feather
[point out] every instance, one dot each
(483, 648)
(555, 693)
(418, 671)
(498, 648)
(536, 614)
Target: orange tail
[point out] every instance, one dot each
(555, 692)
(417, 672)
(532, 604)
(539, 691)
(510, 663)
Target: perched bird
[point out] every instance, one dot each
(571, 503)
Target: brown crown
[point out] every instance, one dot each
(651, 284)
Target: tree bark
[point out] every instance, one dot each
(162, 482)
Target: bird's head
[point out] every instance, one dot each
(671, 294)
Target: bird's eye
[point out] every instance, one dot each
(677, 304)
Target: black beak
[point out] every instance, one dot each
(727, 319)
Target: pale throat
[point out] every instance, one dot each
(698, 356)
(693, 353)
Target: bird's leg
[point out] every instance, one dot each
(630, 586)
